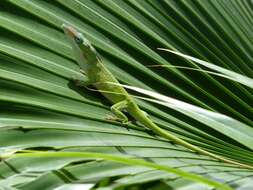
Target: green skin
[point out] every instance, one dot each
(101, 78)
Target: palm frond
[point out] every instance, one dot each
(41, 108)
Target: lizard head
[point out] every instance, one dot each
(83, 50)
(77, 37)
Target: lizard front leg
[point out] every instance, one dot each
(84, 81)
(117, 111)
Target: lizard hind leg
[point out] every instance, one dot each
(117, 111)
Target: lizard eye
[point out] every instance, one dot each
(78, 40)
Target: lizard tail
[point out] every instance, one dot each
(141, 117)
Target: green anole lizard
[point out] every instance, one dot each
(102, 79)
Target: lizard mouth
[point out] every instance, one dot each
(69, 30)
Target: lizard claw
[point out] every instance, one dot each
(78, 82)
(110, 117)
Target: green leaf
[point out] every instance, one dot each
(42, 109)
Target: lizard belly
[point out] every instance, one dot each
(106, 83)
(112, 92)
